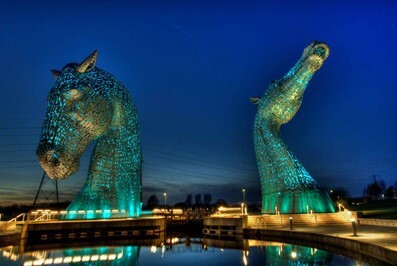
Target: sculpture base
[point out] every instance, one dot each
(297, 202)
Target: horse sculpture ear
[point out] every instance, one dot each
(255, 100)
(55, 73)
(88, 63)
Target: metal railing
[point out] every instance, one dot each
(348, 213)
(10, 226)
(15, 219)
(49, 215)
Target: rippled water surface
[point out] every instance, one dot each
(174, 251)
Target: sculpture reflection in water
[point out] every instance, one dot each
(296, 255)
(176, 251)
(86, 104)
(127, 255)
(107, 255)
(286, 185)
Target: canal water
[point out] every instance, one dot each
(173, 251)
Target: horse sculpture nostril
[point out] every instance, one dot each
(322, 50)
(52, 157)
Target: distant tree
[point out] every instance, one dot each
(375, 189)
(189, 200)
(180, 205)
(390, 192)
(153, 201)
(339, 195)
(221, 202)
(207, 199)
(197, 200)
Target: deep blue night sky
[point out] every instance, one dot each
(191, 67)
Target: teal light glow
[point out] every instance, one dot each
(127, 255)
(286, 185)
(106, 214)
(90, 215)
(149, 212)
(88, 104)
(297, 255)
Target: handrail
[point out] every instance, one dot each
(47, 215)
(16, 218)
(40, 217)
(345, 210)
(341, 206)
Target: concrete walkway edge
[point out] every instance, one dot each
(358, 250)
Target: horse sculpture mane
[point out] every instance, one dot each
(86, 104)
(286, 185)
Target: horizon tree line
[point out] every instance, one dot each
(198, 201)
(378, 189)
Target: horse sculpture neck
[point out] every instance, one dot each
(286, 185)
(114, 175)
(282, 175)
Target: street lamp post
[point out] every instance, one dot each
(165, 201)
(243, 195)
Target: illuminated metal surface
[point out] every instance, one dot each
(86, 104)
(286, 185)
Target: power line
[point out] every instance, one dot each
(17, 150)
(199, 175)
(28, 166)
(206, 164)
(190, 158)
(173, 168)
(16, 144)
(8, 128)
(147, 148)
(186, 158)
(19, 135)
(18, 161)
(207, 153)
(184, 173)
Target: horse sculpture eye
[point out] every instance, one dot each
(74, 94)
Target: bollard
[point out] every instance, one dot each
(354, 227)
(291, 226)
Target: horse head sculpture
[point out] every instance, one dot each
(286, 185)
(87, 104)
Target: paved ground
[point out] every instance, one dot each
(378, 235)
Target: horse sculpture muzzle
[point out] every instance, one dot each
(53, 163)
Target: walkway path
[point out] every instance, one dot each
(383, 236)
(373, 244)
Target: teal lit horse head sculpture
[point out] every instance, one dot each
(88, 104)
(286, 185)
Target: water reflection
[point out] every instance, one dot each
(111, 255)
(121, 255)
(283, 254)
(180, 250)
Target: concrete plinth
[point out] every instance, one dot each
(224, 226)
(53, 231)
